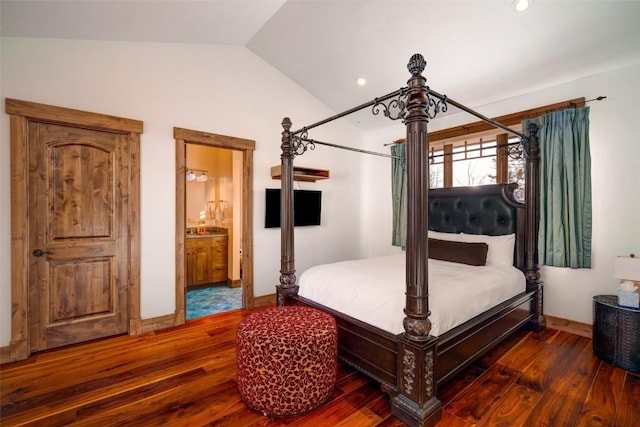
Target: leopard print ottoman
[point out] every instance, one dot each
(286, 359)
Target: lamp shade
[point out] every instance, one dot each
(627, 268)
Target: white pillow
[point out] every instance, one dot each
(453, 237)
(500, 247)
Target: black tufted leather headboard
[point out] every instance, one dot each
(483, 209)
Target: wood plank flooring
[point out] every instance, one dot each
(186, 376)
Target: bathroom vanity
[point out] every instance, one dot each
(207, 256)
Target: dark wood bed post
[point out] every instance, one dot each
(532, 214)
(416, 403)
(287, 286)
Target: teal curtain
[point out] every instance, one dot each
(399, 195)
(564, 239)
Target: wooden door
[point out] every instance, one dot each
(54, 210)
(78, 235)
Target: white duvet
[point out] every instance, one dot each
(373, 290)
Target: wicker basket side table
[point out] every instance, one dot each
(616, 333)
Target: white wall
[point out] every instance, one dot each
(219, 89)
(615, 163)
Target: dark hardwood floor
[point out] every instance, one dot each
(185, 376)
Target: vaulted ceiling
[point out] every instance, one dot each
(477, 52)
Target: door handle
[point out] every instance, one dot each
(40, 252)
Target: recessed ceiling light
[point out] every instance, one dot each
(361, 81)
(521, 5)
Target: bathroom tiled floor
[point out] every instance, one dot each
(211, 300)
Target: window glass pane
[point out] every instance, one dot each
(474, 172)
(473, 151)
(458, 153)
(489, 151)
(436, 157)
(436, 176)
(516, 174)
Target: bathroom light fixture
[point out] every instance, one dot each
(191, 175)
(521, 5)
(361, 81)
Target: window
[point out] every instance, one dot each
(474, 162)
(477, 153)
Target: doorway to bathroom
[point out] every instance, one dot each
(213, 212)
(214, 237)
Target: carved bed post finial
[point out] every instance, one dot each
(287, 286)
(416, 64)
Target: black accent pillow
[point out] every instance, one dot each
(460, 252)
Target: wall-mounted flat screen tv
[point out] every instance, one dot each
(307, 207)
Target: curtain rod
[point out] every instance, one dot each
(571, 104)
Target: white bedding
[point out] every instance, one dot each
(373, 290)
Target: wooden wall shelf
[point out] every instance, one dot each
(301, 173)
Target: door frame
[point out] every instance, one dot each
(21, 113)
(247, 147)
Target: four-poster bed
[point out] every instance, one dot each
(411, 364)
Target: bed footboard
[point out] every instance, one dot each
(398, 363)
